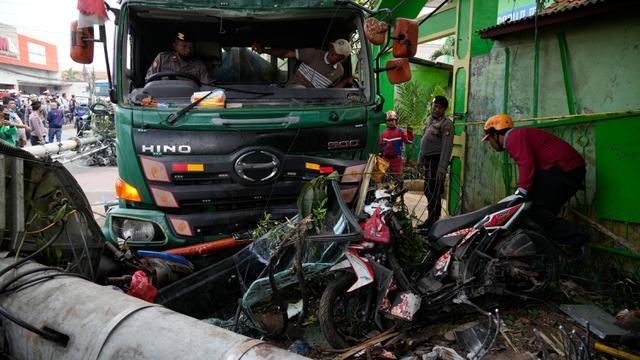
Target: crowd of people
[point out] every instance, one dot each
(36, 119)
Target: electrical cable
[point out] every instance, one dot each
(433, 12)
(29, 272)
(35, 280)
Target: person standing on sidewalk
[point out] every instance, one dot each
(36, 120)
(435, 151)
(392, 142)
(72, 108)
(55, 119)
(21, 141)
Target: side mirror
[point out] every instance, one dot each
(81, 44)
(405, 38)
(99, 109)
(375, 30)
(398, 71)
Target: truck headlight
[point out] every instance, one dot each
(137, 231)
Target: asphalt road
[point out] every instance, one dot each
(98, 183)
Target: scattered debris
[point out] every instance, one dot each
(557, 348)
(442, 353)
(600, 322)
(300, 347)
(478, 339)
(369, 343)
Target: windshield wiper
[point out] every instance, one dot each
(244, 91)
(172, 118)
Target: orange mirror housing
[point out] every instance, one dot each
(81, 50)
(375, 30)
(405, 38)
(398, 71)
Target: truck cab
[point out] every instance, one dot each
(189, 174)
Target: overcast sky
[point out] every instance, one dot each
(49, 20)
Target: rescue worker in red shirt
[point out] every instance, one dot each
(392, 142)
(550, 172)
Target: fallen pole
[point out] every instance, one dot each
(104, 323)
(57, 148)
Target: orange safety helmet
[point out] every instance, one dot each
(392, 115)
(497, 123)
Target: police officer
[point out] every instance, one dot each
(435, 151)
(180, 60)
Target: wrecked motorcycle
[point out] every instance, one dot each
(496, 250)
(263, 270)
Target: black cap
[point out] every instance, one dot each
(184, 36)
(441, 100)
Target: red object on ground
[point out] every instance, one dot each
(141, 287)
(208, 247)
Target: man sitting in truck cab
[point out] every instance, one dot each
(318, 69)
(181, 60)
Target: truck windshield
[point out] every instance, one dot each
(222, 42)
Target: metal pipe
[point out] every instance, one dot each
(56, 148)
(564, 59)
(536, 76)
(85, 154)
(103, 323)
(615, 352)
(505, 90)
(208, 247)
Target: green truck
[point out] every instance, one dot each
(193, 174)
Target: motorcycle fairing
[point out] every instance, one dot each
(344, 264)
(442, 264)
(504, 218)
(362, 268)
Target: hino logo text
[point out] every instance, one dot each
(182, 149)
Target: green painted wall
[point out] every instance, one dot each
(603, 54)
(429, 76)
(439, 22)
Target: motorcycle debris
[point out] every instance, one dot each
(601, 323)
(405, 305)
(480, 338)
(450, 335)
(443, 353)
(294, 309)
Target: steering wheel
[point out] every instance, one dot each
(173, 75)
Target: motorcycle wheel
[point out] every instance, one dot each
(532, 262)
(340, 313)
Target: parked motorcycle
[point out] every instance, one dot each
(82, 119)
(98, 120)
(496, 250)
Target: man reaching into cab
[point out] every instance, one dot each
(180, 60)
(318, 69)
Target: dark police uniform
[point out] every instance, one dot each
(435, 150)
(169, 61)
